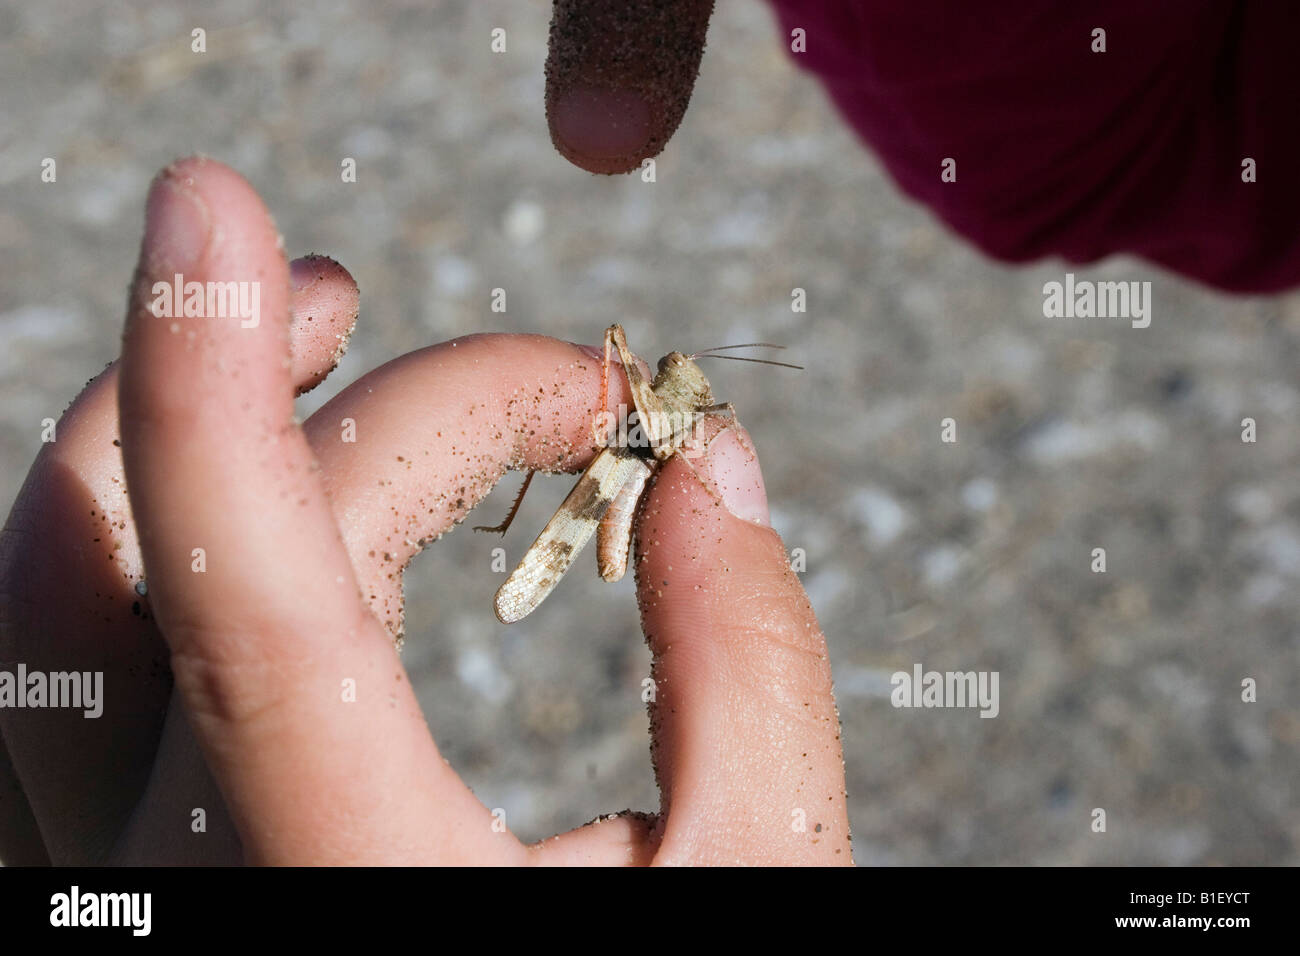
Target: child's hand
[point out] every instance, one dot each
(273, 552)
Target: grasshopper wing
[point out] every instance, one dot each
(572, 526)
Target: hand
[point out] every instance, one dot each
(223, 687)
(619, 76)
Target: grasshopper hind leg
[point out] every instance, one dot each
(514, 509)
(614, 535)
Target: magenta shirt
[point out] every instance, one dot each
(1063, 151)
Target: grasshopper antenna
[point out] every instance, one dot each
(743, 345)
(709, 353)
(741, 358)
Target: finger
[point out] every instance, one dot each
(324, 302)
(620, 839)
(396, 409)
(394, 412)
(69, 568)
(746, 734)
(294, 691)
(409, 449)
(20, 836)
(619, 75)
(181, 819)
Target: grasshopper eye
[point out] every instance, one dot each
(674, 359)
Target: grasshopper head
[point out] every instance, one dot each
(680, 380)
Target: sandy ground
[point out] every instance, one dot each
(1119, 690)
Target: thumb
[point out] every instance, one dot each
(619, 74)
(746, 733)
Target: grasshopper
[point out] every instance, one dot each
(604, 500)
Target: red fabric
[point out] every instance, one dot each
(1064, 151)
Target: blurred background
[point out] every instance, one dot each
(1119, 690)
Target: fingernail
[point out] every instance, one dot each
(596, 354)
(731, 466)
(177, 226)
(303, 273)
(602, 124)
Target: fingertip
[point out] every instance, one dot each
(619, 78)
(218, 191)
(601, 130)
(177, 222)
(324, 304)
(211, 267)
(706, 551)
(730, 466)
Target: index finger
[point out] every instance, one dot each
(619, 76)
